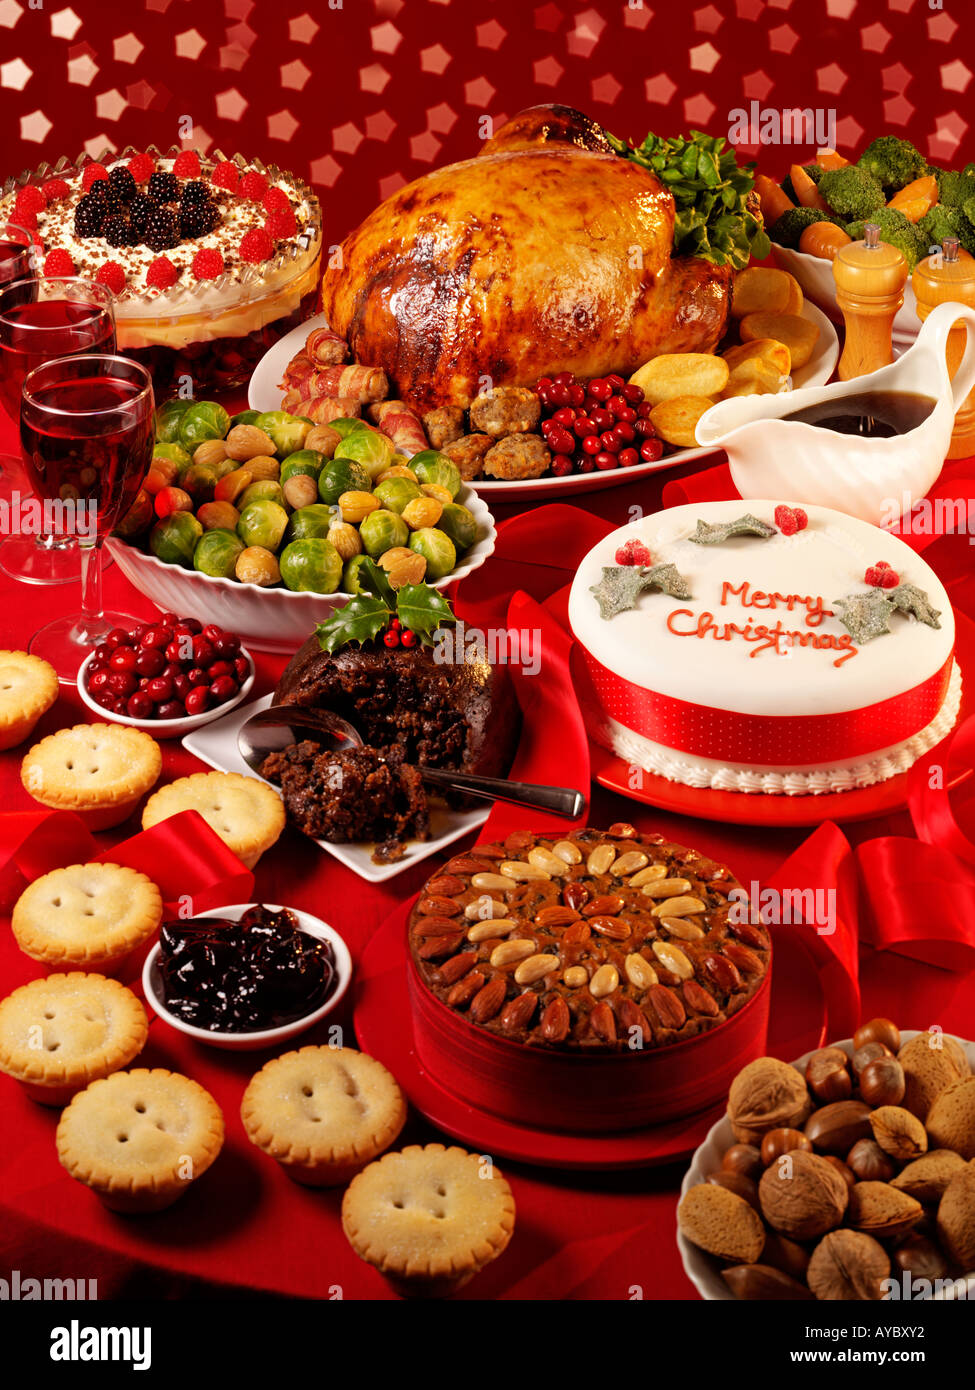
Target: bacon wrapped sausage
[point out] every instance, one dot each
(322, 409)
(298, 369)
(325, 348)
(355, 383)
(400, 424)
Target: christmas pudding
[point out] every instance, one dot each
(594, 981)
(758, 647)
(211, 260)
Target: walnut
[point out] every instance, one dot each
(802, 1195)
(848, 1264)
(767, 1094)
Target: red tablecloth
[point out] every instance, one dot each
(579, 1236)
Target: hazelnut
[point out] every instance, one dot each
(802, 1195)
(848, 1264)
(927, 1177)
(762, 1282)
(780, 1141)
(848, 1176)
(931, 1062)
(828, 1075)
(722, 1223)
(882, 1082)
(956, 1218)
(869, 1163)
(951, 1119)
(920, 1258)
(883, 1211)
(737, 1183)
(899, 1133)
(836, 1128)
(869, 1052)
(766, 1094)
(744, 1159)
(878, 1030)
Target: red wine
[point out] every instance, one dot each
(73, 454)
(14, 261)
(42, 330)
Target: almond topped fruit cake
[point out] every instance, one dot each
(211, 260)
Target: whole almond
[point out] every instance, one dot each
(763, 1282)
(699, 1000)
(931, 1061)
(489, 1000)
(461, 994)
(613, 927)
(436, 947)
(722, 972)
(899, 1133)
(835, 1128)
(956, 1218)
(848, 1265)
(556, 1020)
(722, 1223)
(431, 906)
(927, 1177)
(555, 915)
(602, 1022)
(633, 1022)
(453, 969)
(666, 1005)
(951, 1119)
(882, 1210)
(802, 1195)
(446, 885)
(434, 925)
(517, 1013)
(605, 905)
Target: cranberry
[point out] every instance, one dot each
(627, 458)
(103, 652)
(139, 706)
(118, 705)
(117, 637)
(602, 419)
(605, 460)
(591, 444)
(169, 619)
(171, 669)
(227, 645)
(123, 659)
(633, 393)
(198, 700)
(157, 637)
(561, 441)
(644, 409)
(577, 394)
(97, 680)
(197, 676)
(105, 698)
(545, 395)
(562, 379)
(645, 429)
(143, 683)
(135, 636)
(191, 625)
(586, 464)
(223, 688)
(582, 426)
(242, 668)
(625, 415)
(624, 430)
(542, 383)
(182, 685)
(211, 632)
(220, 668)
(565, 416)
(149, 661)
(600, 390)
(172, 709)
(174, 651)
(616, 381)
(160, 689)
(97, 665)
(559, 395)
(203, 653)
(122, 683)
(651, 450)
(611, 441)
(561, 465)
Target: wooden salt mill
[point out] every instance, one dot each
(945, 275)
(870, 276)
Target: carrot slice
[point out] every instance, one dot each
(823, 239)
(774, 202)
(916, 199)
(806, 190)
(829, 159)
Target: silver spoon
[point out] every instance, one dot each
(270, 731)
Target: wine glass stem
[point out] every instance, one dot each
(91, 591)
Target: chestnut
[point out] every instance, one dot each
(781, 1141)
(738, 1184)
(882, 1082)
(745, 1159)
(869, 1052)
(878, 1030)
(868, 1162)
(828, 1076)
(848, 1176)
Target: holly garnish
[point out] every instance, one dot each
(632, 553)
(881, 576)
(405, 616)
(718, 532)
(910, 599)
(622, 585)
(865, 616)
(790, 520)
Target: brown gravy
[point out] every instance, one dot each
(869, 415)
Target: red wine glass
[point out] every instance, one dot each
(41, 319)
(86, 433)
(17, 262)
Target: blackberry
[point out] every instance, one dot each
(163, 187)
(161, 231)
(118, 231)
(195, 192)
(197, 219)
(112, 201)
(88, 216)
(140, 209)
(122, 182)
(98, 189)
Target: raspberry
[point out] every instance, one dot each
(789, 520)
(207, 264)
(256, 246)
(55, 188)
(226, 175)
(58, 262)
(141, 166)
(30, 199)
(280, 223)
(881, 576)
(253, 186)
(187, 165)
(161, 274)
(93, 172)
(112, 275)
(275, 198)
(633, 553)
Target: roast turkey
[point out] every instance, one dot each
(546, 253)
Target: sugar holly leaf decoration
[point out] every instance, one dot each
(865, 616)
(668, 579)
(718, 532)
(619, 589)
(359, 620)
(910, 599)
(423, 609)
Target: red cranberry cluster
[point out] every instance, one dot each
(602, 423)
(167, 669)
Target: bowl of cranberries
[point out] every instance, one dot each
(595, 425)
(167, 676)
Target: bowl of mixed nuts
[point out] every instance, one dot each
(847, 1174)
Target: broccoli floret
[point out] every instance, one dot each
(851, 191)
(788, 228)
(943, 222)
(896, 230)
(954, 189)
(893, 162)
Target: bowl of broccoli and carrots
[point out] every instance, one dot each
(821, 206)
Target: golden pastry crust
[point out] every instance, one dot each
(28, 689)
(100, 768)
(429, 1218)
(62, 1032)
(86, 914)
(246, 813)
(323, 1112)
(140, 1138)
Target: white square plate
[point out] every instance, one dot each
(216, 744)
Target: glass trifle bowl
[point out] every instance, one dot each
(211, 258)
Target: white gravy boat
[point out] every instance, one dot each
(873, 479)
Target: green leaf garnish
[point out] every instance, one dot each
(359, 620)
(374, 580)
(423, 609)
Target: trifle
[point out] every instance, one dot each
(211, 260)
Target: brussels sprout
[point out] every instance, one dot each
(314, 520)
(264, 490)
(381, 530)
(437, 549)
(199, 480)
(459, 525)
(263, 523)
(216, 553)
(397, 493)
(244, 417)
(204, 420)
(313, 564)
(431, 466)
(287, 431)
(173, 540)
(346, 425)
(174, 453)
(224, 467)
(168, 418)
(222, 516)
(307, 461)
(342, 475)
(370, 449)
(351, 582)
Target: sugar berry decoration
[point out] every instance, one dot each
(633, 553)
(253, 186)
(93, 172)
(58, 262)
(207, 264)
(186, 165)
(112, 275)
(881, 576)
(226, 175)
(789, 520)
(54, 189)
(256, 246)
(280, 222)
(275, 198)
(30, 199)
(141, 166)
(161, 274)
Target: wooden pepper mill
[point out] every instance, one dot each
(947, 276)
(870, 277)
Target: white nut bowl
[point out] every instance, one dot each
(165, 728)
(701, 1268)
(815, 276)
(268, 1037)
(270, 620)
